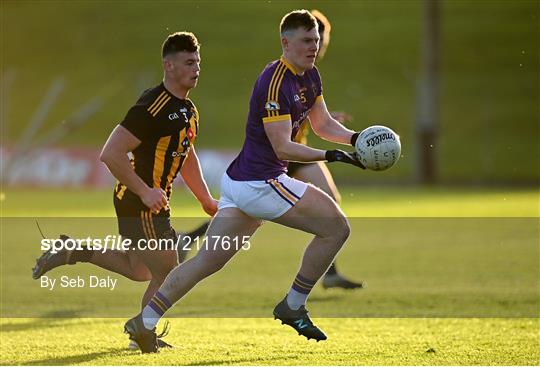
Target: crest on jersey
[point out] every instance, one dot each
(272, 106)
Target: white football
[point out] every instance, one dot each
(378, 147)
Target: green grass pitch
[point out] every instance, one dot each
(454, 280)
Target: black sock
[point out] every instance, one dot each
(332, 269)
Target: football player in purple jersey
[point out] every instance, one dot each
(256, 186)
(315, 173)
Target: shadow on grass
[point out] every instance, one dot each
(258, 360)
(47, 322)
(73, 359)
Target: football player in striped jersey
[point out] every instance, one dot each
(146, 152)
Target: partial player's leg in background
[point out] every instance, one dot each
(319, 175)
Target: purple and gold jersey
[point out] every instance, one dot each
(279, 94)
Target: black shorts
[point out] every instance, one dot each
(135, 222)
(295, 166)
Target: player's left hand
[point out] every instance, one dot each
(338, 155)
(210, 206)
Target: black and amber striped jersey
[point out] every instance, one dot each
(167, 127)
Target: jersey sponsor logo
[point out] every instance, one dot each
(180, 154)
(301, 119)
(185, 143)
(173, 116)
(272, 106)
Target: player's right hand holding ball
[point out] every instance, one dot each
(338, 155)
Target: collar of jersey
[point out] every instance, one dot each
(172, 95)
(289, 66)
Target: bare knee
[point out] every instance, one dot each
(138, 272)
(140, 275)
(342, 230)
(345, 229)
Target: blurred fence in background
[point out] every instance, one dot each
(81, 167)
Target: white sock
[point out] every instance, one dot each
(296, 299)
(150, 317)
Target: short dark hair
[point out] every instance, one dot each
(180, 41)
(296, 19)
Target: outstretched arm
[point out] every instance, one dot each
(193, 177)
(279, 134)
(328, 128)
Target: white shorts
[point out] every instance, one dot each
(268, 199)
